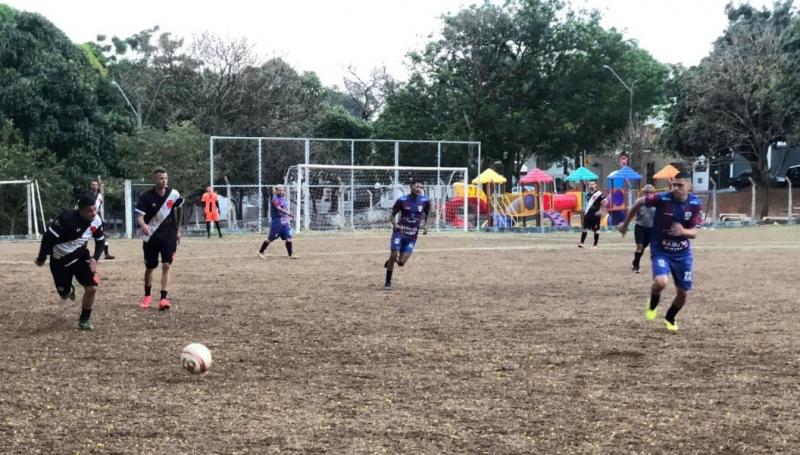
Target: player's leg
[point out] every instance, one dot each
(394, 252)
(286, 235)
(208, 229)
(274, 233)
(219, 231)
(596, 230)
(638, 234)
(682, 275)
(89, 280)
(150, 263)
(584, 233)
(62, 278)
(106, 254)
(167, 252)
(406, 248)
(661, 271)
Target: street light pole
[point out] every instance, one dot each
(136, 113)
(629, 88)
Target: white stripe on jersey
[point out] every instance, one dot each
(63, 249)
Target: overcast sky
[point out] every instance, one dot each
(325, 36)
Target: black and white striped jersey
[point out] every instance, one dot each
(67, 236)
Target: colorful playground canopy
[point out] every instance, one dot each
(581, 174)
(622, 174)
(489, 176)
(536, 175)
(669, 171)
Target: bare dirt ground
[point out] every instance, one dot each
(504, 343)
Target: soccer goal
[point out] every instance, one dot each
(340, 197)
(18, 194)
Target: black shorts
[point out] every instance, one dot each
(153, 248)
(591, 222)
(64, 271)
(642, 235)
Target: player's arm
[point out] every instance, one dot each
(141, 206)
(690, 233)
(49, 240)
(395, 210)
(623, 228)
(99, 245)
(277, 206)
(178, 207)
(426, 210)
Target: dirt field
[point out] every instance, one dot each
(504, 343)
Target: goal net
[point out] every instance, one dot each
(21, 211)
(333, 197)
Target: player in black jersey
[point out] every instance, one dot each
(65, 242)
(595, 202)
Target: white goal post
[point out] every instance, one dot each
(33, 205)
(340, 197)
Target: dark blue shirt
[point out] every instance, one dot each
(412, 210)
(669, 211)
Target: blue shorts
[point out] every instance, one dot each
(284, 231)
(403, 245)
(679, 267)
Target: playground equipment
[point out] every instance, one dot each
(620, 192)
(665, 175)
(476, 201)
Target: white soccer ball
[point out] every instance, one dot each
(196, 358)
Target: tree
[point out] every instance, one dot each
(19, 160)
(524, 78)
(182, 149)
(54, 95)
(743, 97)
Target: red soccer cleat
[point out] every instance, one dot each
(146, 301)
(163, 304)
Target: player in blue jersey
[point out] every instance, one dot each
(676, 221)
(413, 209)
(279, 223)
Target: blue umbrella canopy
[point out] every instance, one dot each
(581, 174)
(620, 175)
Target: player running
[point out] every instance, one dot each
(413, 209)
(676, 221)
(641, 233)
(279, 223)
(65, 242)
(158, 215)
(595, 202)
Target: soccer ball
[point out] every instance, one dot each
(196, 358)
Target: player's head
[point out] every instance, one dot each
(94, 186)
(416, 187)
(279, 190)
(209, 189)
(649, 189)
(160, 177)
(592, 186)
(682, 185)
(86, 207)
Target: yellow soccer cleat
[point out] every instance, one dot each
(648, 313)
(672, 327)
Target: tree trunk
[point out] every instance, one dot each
(766, 189)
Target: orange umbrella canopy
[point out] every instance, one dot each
(669, 171)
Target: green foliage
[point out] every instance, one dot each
(18, 161)
(182, 149)
(523, 78)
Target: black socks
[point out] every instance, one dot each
(654, 298)
(596, 238)
(264, 246)
(671, 313)
(147, 290)
(583, 236)
(163, 294)
(289, 248)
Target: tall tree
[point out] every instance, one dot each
(743, 96)
(522, 78)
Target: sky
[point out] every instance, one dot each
(328, 36)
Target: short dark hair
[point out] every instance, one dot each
(160, 170)
(87, 200)
(414, 181)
